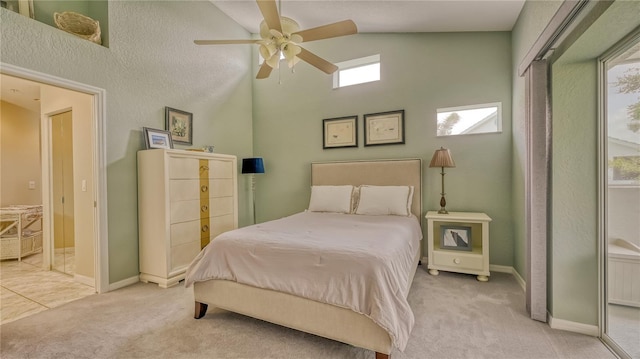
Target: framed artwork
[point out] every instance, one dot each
(384, 128)
(455, 237)
(340, 132)
(154, 138)
(179, 124)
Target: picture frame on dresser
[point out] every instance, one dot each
(155, 138)
(180, 124)
(456, 238)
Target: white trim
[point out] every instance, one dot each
(84, 280)
(574, 327)
(351, 64)
(100, 160)
(124, 283)
(480, 106)
(552, 33)
(510, 270)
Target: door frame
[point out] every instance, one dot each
(101, 252)
(603, 182)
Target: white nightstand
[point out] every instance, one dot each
(458, 242)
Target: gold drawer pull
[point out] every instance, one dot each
(204, 188)
(204, 208)
(204, 168)
(205, 228)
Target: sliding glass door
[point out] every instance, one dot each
(620, 205)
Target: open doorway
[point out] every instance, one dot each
(89, 177)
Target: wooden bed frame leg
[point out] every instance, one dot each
(201, 310)
(382, 356)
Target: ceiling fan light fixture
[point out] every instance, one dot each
(274, 60)
(290, 51)
(267, 49)
(281, 36)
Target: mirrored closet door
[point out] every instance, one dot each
(62, 189)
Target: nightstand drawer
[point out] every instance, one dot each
(457, 260)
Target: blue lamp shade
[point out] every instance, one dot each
(252, 165)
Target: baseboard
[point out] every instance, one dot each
(85, 280)
(574, 327)
(124, 283)
(510, 270)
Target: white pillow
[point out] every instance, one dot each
(331, 199)
(385, 200)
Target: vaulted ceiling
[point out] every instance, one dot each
(386, 15)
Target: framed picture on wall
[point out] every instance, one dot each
(455, 237)
(384, 128)
(340, 132)
(179, 124)
(154, 138)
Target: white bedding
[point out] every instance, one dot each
(358, 262)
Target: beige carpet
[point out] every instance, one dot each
(456, 317)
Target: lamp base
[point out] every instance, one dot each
(443, 203)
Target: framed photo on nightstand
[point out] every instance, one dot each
(455, 237)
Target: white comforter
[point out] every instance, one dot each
(363, 263)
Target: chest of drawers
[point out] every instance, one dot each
(185, 199)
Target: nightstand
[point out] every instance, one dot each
(458, 242)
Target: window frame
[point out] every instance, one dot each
(355, 63)
(497, 104)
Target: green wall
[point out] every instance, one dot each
(574, 233)
(419, 73)
(573, 248)
(151, 63)
(532, 20)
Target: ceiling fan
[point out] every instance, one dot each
(282, 35)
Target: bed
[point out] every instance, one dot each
(330, 318)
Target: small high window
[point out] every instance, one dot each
(357, 71)
(464, 120)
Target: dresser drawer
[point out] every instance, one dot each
(184, 232)
(221, 169)
(457, 260)
(182, 255)
(220, 187)
(183, 211)
(189, 168)
(184, 168)
(221, 224)
(185, 189)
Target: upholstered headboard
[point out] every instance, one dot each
(401, 172)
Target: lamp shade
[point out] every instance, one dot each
(252, 165)
(442, 158)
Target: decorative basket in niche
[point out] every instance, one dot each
(79, 25)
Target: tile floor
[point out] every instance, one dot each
(26, 288)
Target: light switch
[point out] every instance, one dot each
(84, 185)
(32, 184)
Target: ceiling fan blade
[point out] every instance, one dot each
(224, 42)
(269, 11)
(317, 61)
(342, 28)
(264, 72)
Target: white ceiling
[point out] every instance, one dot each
(386, 15)
(20, 92)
